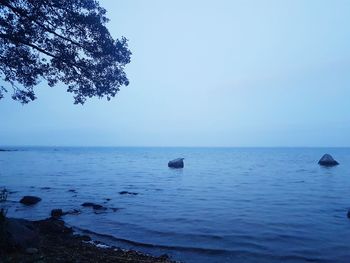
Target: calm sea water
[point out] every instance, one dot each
(226, 205)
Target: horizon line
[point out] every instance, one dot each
(160, 146)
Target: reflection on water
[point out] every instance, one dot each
(226, 205)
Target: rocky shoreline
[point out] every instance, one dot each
(51, 241)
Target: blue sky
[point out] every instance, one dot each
(209, 73)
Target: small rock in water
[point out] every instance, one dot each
(30, 200)
(87, 204)
(72, 190)
(56, 213)
(348, 214)
(176, 163)
(127, 193)
(72, 212)
(6, 150)
(327, 160)
(99, 207)
(94, 206)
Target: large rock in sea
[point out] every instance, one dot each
(327, 160)
(30, 200)
(177, 163)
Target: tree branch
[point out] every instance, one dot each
(17, 41)
(17, 12)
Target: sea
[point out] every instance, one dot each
(226, 205)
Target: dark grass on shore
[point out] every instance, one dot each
(52, 242)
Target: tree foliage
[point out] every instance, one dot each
(60, 41)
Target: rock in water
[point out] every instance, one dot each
(94, 206)
(56, 213)
(30, 200)
(127, 193)
(327, 160)
(177, 163)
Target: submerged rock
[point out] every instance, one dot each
(56, 213)
(99, 207)
(87, 204)
(176, 163)
(348, 214)
(72, 212)
(30, 200)
(94, 206)
(127, 193)
(327, 160)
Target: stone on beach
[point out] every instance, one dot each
(327, 160)
(30, 200)
(176, 163)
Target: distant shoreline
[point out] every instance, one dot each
(18, 147)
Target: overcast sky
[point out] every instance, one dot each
(209, 73)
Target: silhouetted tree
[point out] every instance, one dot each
(60, 41)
